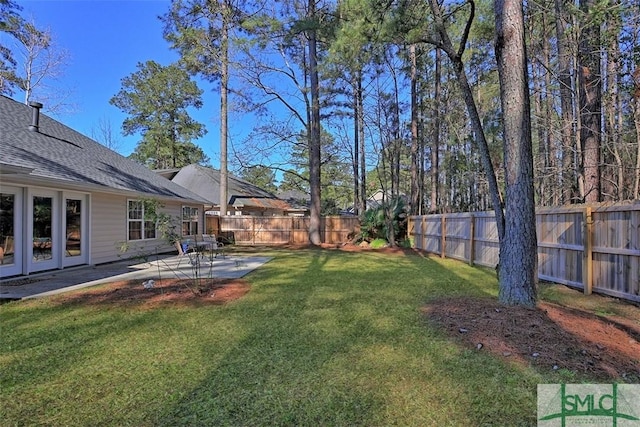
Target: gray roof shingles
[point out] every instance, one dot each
(206, 182)
(59, 153)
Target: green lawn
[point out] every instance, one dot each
(324, 338)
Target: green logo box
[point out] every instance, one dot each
(568, 405)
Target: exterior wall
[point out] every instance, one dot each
(104, 230)
(109, 229)
(49, 247)
(108, 226)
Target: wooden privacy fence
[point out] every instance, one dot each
(595, 248)
(278, 230)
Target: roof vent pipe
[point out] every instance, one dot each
(35, 116)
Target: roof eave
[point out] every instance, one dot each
(22, 179)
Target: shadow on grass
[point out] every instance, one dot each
(547, 339)
(576, 342)
(333, 342)
(323, 338)
(53, 339)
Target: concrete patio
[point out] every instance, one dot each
(183, 267)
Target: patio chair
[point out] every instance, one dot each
(186, 250)
(213, 246)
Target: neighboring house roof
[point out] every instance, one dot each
(377, 198)
(294, 195)
(205, 181)
(299, 200)
(57, 153)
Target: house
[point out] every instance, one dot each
(379, 197)
(66, 200)
(298, 200)
(244, 197)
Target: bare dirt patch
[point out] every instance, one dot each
(549, 336)
(187, 292)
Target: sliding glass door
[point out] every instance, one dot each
(75, 208)
(42, 229)
(11, 259)
(44, 251)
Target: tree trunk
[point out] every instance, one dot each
(362, 148)
(435, 147)
(636, 178)
(590, 105)
(174, 141)
(550, 142)
(481, 141)
(476, 124)
(415, 167)
(540, 165)
(613, 187)
(224, 87)
(356, 77)
(567, 179)
(314, 139)
(396, 141)
(518, 250)
(636, 120)
(544, 161)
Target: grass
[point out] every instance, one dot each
(323, 338)
(601, 306)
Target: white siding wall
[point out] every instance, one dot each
(109, 229)
(107, 226)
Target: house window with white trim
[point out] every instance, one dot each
(189, 221)
(140, 226)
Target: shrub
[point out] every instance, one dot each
(374, 223)
(379, 243)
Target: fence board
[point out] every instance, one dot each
(487, 247)
(591, 247)
(458, 236)
(433, 234)
(278, 230)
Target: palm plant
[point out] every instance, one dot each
(387, 221)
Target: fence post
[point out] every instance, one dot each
(411, 229)
(472, 240)
(587, 262)
(291, 232)
(423, 232)
(253, 230)
(443, 237)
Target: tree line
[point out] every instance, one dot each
(449, 104)
(390, 106)
(404, 96)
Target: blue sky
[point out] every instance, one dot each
(105, 40)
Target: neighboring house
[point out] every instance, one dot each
(379, 197)
(375, 200)
(244, 197)
(66, 200)
(299, 201)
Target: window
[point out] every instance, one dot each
(139, 221)
(73, 245)
(189, 221)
